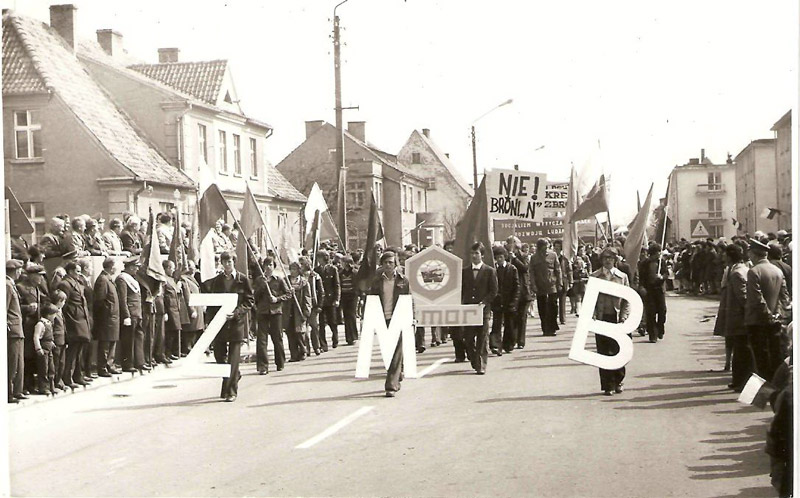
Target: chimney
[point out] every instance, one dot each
(702, 156)
(168, 55)
(63, 20)
(447, 154)
(426, 132)
(312, 127)
(694, 161)
(110, 41)
(357, 129)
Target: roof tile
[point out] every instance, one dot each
(202, 80)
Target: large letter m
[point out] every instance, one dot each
(374, 323)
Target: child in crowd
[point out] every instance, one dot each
(43, 345)
(59, 340)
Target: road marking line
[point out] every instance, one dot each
(431, 368)
(335, 427)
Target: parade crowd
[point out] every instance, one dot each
(64, 331)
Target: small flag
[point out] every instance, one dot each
(756, 392)
(367, 270)
(637, 235)
(212, 207)
(769, 213)
(474, 227)
(19, 223)
(594, 202)
(177, 253)
(250, 217)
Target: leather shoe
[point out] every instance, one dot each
(460, 360)
(619, 389)
(13, 400)
(114, 371)
(607, 392)
(74, 386)
(481, 372)
(129, 369)
(390, 394)
(144, 367)
(21, 396)
(230, 399)
(262, 372)
(104, 374)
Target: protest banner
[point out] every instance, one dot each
(516, 194)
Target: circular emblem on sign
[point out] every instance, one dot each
(433, 275)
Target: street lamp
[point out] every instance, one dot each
(474, 149)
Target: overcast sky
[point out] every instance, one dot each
(652, 82)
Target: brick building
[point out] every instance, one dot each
(756, 186)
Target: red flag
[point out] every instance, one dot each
(250, 218)
(570, 243)
(212, 207)
(313, 235)
(637, 235)
(19, 223)
(242, 254)
(594, 202)
(368, 268)
(474, 227)
(152, 270)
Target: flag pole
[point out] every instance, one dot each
(664, 230)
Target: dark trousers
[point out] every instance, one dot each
(457, 335)
(90, 357)
(29, 373)
(105, 355)
(46, 368)
(743, 360)
(767, 348)
(562, 305)
(230, 351)
(269, 325)
(16, 365)
(349, 310)
(394, 373)
(328, 317)
(477, 342)
(655, 313)
(74, 373)
(60, 363)
(609, 379)
(159, 350)
(172, 339)
(547, 305)
(521, 323)
(132, 343)
(148, 334)
(313, 325)
(503, 320)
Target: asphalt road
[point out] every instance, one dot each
(535, 425)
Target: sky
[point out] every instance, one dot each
(629, 88)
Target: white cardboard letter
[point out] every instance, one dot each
(374, 323)
(617, 331)
(195, 365)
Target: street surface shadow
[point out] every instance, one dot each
(740, 460)
(547, 365)
(753, 493)
(560, 397)
(347, 397)
(677, 400)
(188, 402)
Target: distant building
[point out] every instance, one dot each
(756, 186)
(448, 191)
(783, 169)
(400, 192)
(67, 147)
(702, 200)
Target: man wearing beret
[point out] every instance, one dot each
(610, 309)
(131, 335)
(766, 303)
(15, 337)
(228, 342)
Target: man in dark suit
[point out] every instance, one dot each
(106, 319)
(519, 257)
(15, 336)
(131, 293)
(504, 306)
(389, 285)
(228, 343)
(655, 304)
(478, 285)
(330, 301)
(547, 282)
(31, 300)
(767, 298)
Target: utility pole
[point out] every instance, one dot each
(341, 194)
(474, 162)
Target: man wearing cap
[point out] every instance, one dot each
(76, 322)
(228, 342)
(131, 335)
(546, 280)
(766, 303)
(15, 337)
(610, 309)
(106, 319)
(31, 299)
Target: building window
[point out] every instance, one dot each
(404, 195)
(378, 190)
(411, 200)
(431, 183)
(35, 213)
(27, 134)
(716, 231)
(165, 207)
(356, 194)
(415, 158)
(715, 180)
(237, 156)
(715, 208)
(420, 207)
(202, 141)
(253, 163)
(223, 152)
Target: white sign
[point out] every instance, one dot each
(616, 331)
(195, 366)
(402, 322)
(699, 229)
(516, 194)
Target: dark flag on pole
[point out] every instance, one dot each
(367, 270)
(177, 253)
(212, 207)
(152, 270)
(593, 203)
(474, 227)
(19, 224)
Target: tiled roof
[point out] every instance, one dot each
(451, 168)
(202, 80)
(280, 186)
(19, 74)
(60, 70)
(384, 157)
